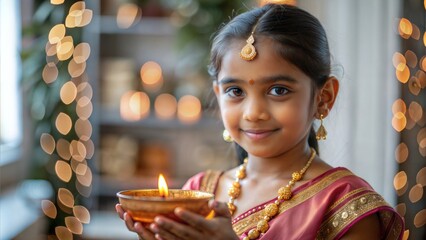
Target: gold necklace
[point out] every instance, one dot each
(272, 209)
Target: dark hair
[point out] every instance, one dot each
(300, 38)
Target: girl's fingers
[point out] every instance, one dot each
(220, 209)
(142, 232)
(169, 229)
(195, 220)
(119, 210)
(129, 221)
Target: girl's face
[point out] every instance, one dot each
(267, 103)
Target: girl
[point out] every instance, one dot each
(271, 69)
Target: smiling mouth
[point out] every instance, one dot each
(258, 134)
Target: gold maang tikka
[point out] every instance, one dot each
(248, 52)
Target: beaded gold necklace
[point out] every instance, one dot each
(272, 209)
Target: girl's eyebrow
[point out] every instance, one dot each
(269, 79)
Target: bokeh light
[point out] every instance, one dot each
(400, 180)
(411, 58)
(401, 153)
(189, 109)
(81, 52)
(84, 108)
(415, 111)
(421, 177)
(76, 69)
(402, 73)
(416, 193)
(152, 76)
(401, 209)
(399, 121)
(62, 233)
(49, 209)
(405, 28)
(165, 106)
(65, 48)
(68, 92)
(74, 225)
(47, 143)
(83, 129)
(63, 149)
(420, 219)
(57, 33)
(82, 214)
(65, 197)
(63, 170)
(128, 14)
(63, 123)
(414, 86)
(50, 73)
(56, 2)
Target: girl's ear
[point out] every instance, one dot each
(327, 96)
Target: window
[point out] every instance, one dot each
(10, 101)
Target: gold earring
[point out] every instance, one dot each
(226, 136)
(321, 133)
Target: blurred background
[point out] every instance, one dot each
(102, 96)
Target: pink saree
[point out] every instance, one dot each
(324, 208)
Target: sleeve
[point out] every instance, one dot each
(194, 182)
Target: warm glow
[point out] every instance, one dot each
(65, 48)
(77, 150)
(90, 148)
(189, 109)
(56, 2)
(63, 149)
(162, 186)
(63, 123)
(406, 234)
(65, 197)
(76, 69)
(84, 108)
(125, 112)
(85, 89)
(47, 143)
(83, 129)
(421, 76)
(421, 138)
(402, 73)
(401, 209)
(81, 52)
(63, 171)
(139, 104)
(400, 180)
(289, 2)
(421, 177)
(165, 106)
(399, 121)
(414, 85)
(62, 233)
(401, 153)
(424, 39)
(82, 214)
(81, 169)
(80, 5)
(398, 60)
(74, 225)
(420, 218)
(152, 76)
(86, 18)
(405, 28)
(411, 58)
(416, 32)
(128, 14)
(86, 178)
(68, 92)
(50, 49)
(57, 33)
(416, 193)
(49, 209)
(415, 111)
(50, 73)
(399, 106)
(422, 63)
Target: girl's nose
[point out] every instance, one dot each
(255, 110)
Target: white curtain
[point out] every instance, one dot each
(362, 39)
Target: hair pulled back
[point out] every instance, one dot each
(299, 36)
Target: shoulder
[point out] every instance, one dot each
(204, 181)
(354, 205)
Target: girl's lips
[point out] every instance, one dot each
(258, 134)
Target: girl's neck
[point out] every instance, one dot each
(281, 166)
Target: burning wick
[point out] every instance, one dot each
(162, 186)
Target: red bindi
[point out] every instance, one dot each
(251, 81)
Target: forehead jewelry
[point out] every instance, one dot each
(248, 52)
(251, 82)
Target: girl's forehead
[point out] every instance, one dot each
(268, 61)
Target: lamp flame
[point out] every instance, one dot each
(162, 186)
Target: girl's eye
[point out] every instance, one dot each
(278, 91)
(234, 92)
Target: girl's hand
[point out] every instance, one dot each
(198, 227)
(143, 233)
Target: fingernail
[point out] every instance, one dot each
(158, 220)
(153, 227)
(178, 211)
